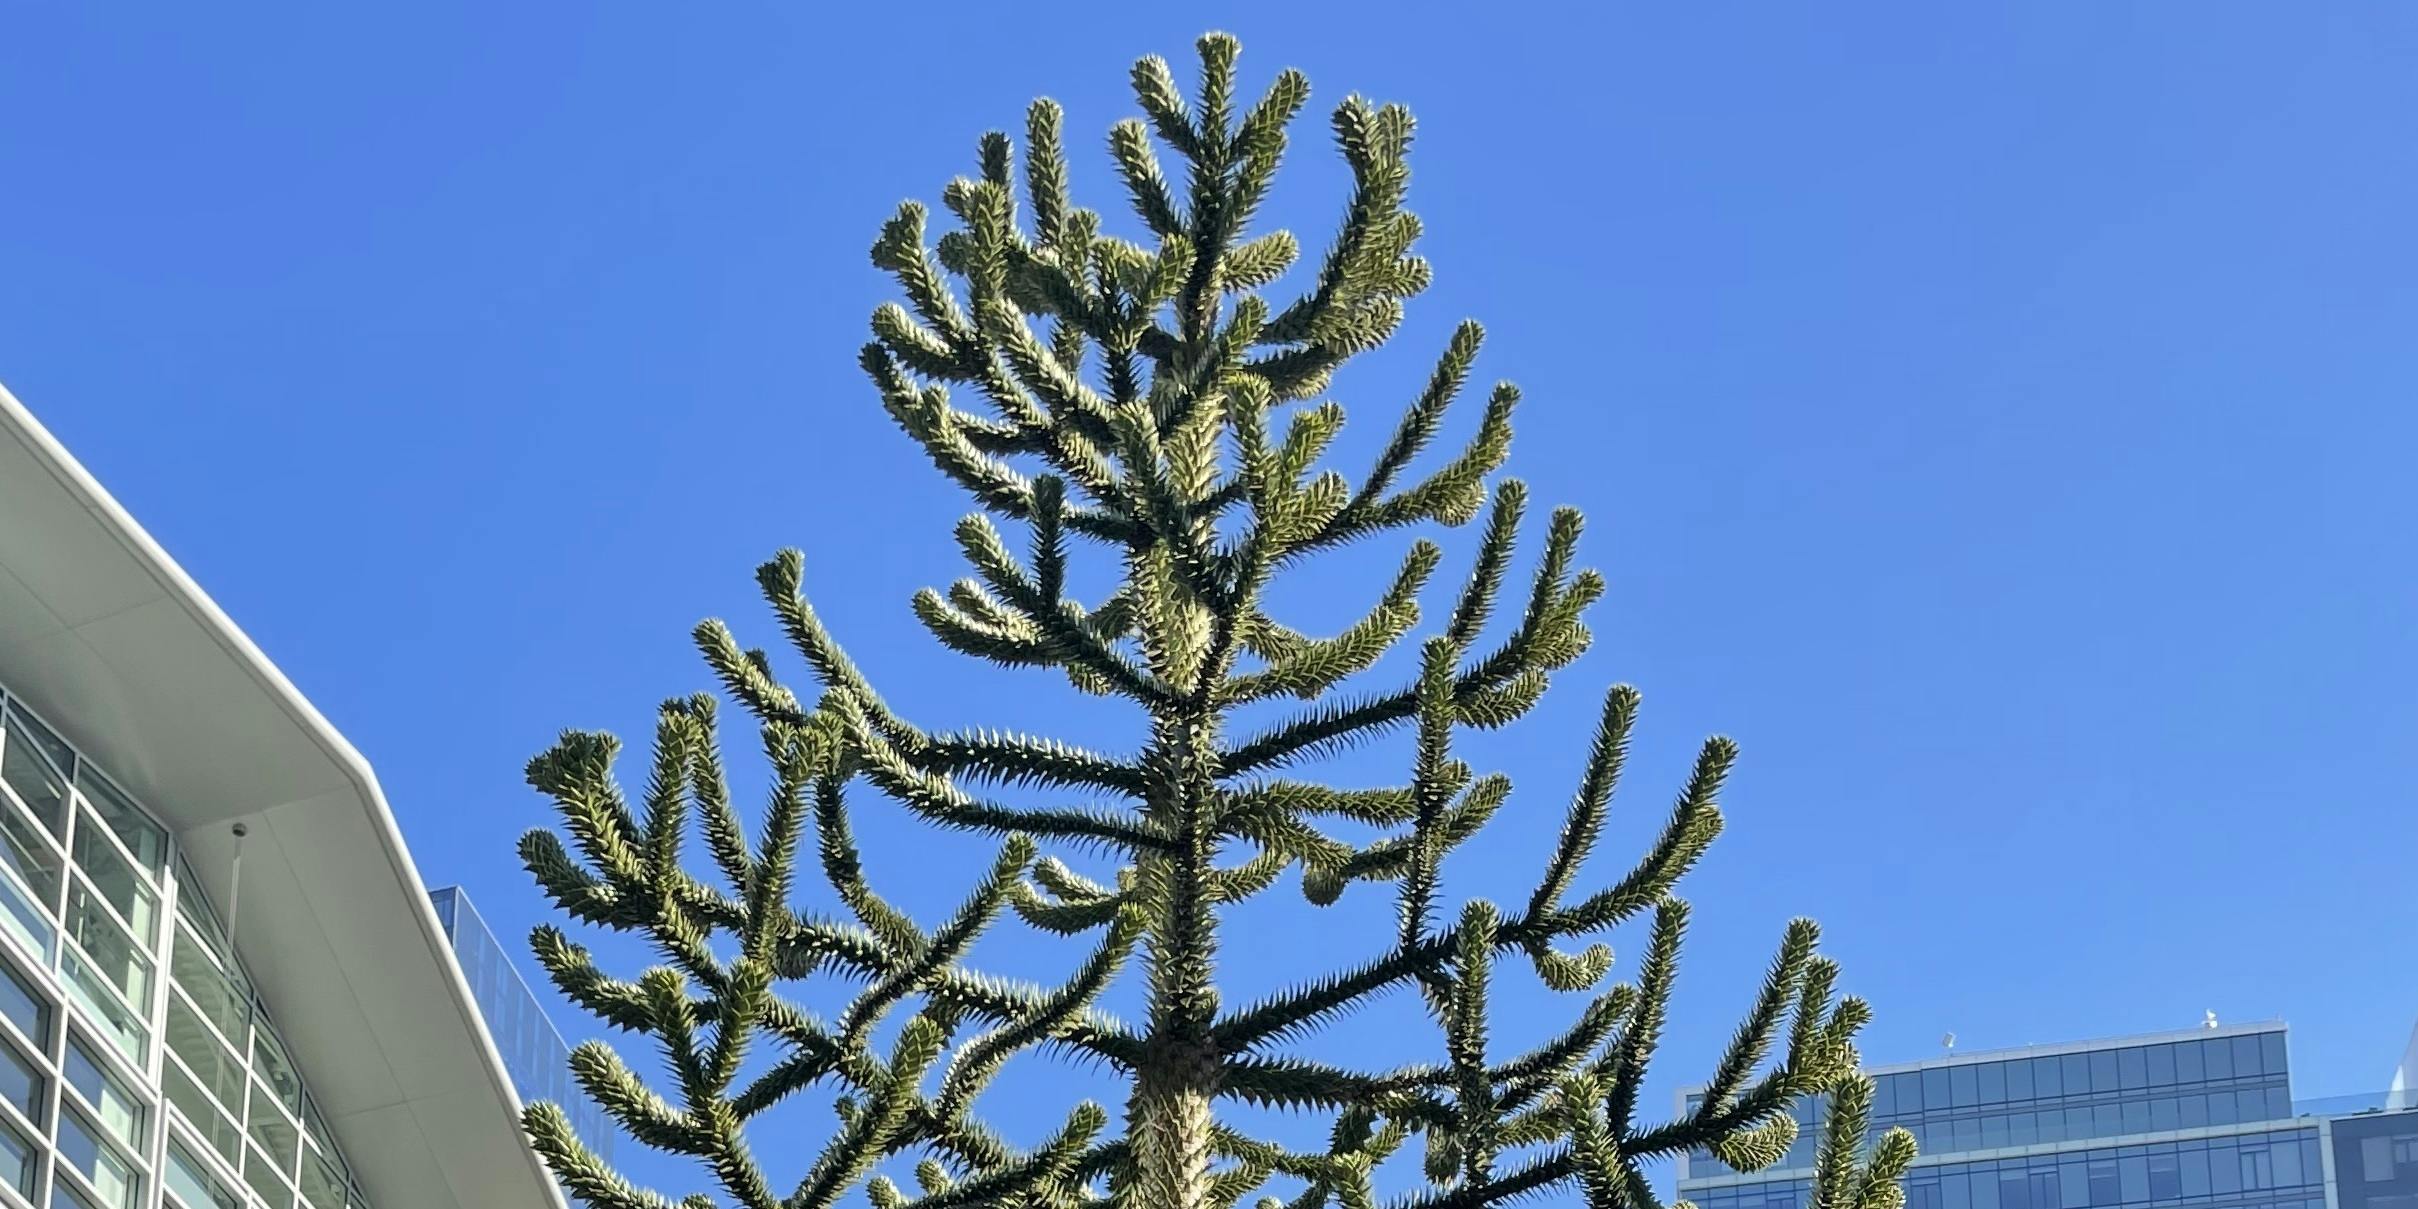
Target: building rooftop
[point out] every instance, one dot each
(153, 680)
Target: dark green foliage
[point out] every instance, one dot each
(1145, 402)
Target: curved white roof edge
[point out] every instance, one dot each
(118, 646)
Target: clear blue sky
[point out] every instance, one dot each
(1998, 419)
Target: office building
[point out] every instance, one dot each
(222, 985)
(535, 1054)
(2198, 1119)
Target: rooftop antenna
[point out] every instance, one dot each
(1947, 1042)
(2210, 1022)
(234, 885)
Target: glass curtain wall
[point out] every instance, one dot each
(137, 1066)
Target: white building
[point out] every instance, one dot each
(328, 1055)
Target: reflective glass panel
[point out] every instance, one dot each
(21, 1082)
(121, 1114)
(109, 1173)
(266, 1182)
(218, 996)
(216, 1130)
(117, 881)
(142, 837)
(18, 1161)
(114, 953)
(190, 1181)
(99, 999)
(275, 1133)
(23, 1007)
(28, 851)
(26, 764)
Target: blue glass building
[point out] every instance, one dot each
(2202, 1119)
(535, 1055)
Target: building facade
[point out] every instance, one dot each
(534, 1052)
(222, 985)
(2375, 1159)
(2202, 1119)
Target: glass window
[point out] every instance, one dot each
(2162, 1115)
(322, 1187)
(270, 1063)
(2224, 1169)
(2165, 1177)
(2073, 1188)
(1993, 1131)
(2219, 1056)
(64, 1195)
(2019, 1080)
(1909, 1091)
(273, 1130)
(2043, 1188)
(120, 1113)
(2279, 1102)
(2246, 1056)
(314, 1130)
(2188, 1068)
(2221, 1109)
(99, 998)
(2132, 1177)
(110, 1174)
(2105, 1190)
(127, 821)
(1967, 1134)
(1984, 1186)
(2045, 1083)
(2193, 1109)
(39, 784)
(118, 882)
(1935, 1089)
(19, 1160)
(2193, 1161)
(2161, 1060)
(2077, 1071)
(2103, 1070)
(2271, 1053)
(1993, 1076)
(2013, 1192)
(2078, 1122)
(2022, 1128)
(26, 920)
(218, 1069)
(1962, 1091)
(193, 1185)
(213, 1126)
(21, 1082)
(221, 999)
(1955, 1191)
(53, 748)
(2132, 1069)
(28, 852)
(114, 953)
(2135, 1114)
(2258, 1170)
(2104, 1123)
(2283, 1155)
(265, 1182)
(23, 1006)
(196, 911)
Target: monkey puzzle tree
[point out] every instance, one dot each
(1146, 401)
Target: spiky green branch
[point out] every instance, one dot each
(1130, 398)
